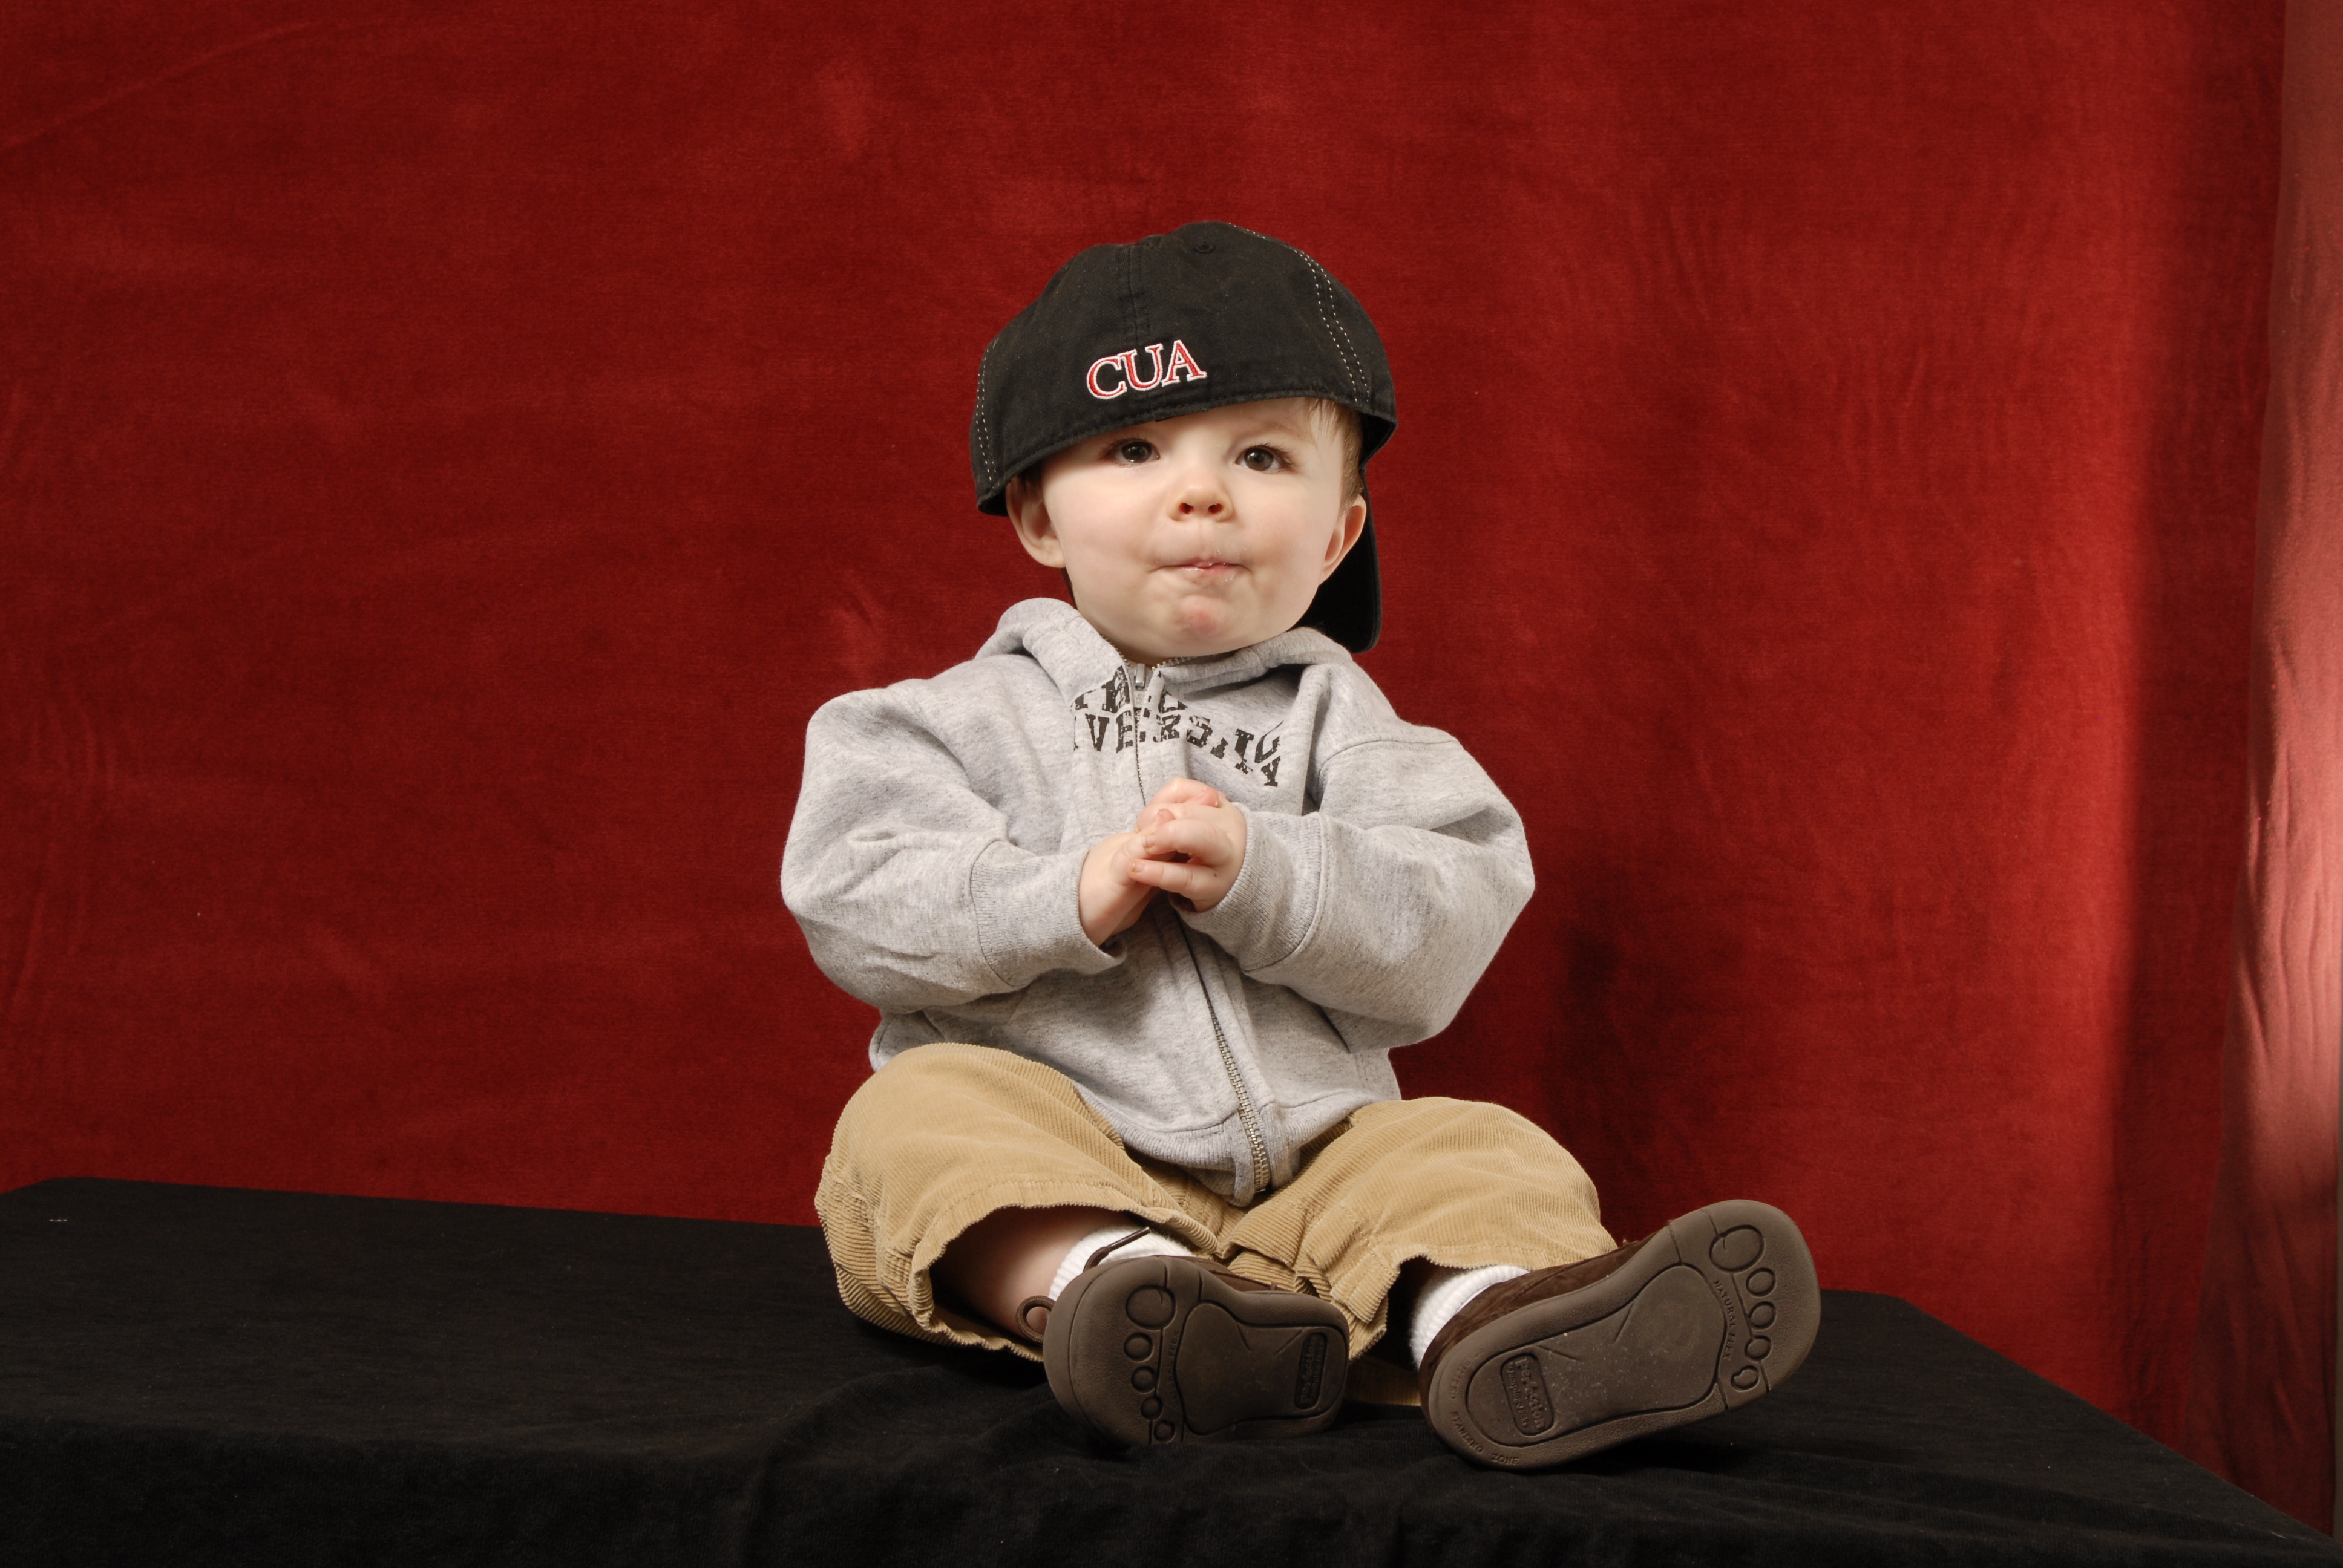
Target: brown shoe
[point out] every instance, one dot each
(1714, 1310)
(1178, 1350)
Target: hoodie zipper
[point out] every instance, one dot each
(1153, 691)
(1229, 1065)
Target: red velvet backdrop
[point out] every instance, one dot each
(446, 452)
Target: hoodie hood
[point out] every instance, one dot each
(1054, 635)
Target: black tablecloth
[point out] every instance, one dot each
(195, 1375)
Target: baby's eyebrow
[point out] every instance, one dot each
(1293, 427)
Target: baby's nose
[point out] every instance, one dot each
(1210, 508)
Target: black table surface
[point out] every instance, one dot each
(197, 1375)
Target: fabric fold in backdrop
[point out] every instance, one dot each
(2262, 1383)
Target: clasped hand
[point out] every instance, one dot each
(1189, 844)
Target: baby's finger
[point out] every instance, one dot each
(1131, 849)
(1169, 799)
(1182, 791)
(1171, 876)
(1180, 835)
(1175, 811)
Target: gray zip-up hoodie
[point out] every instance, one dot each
(940, 835)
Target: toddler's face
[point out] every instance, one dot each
(1194, 536)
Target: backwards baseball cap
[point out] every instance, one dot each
(1206, 315)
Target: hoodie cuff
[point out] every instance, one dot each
(1029, 914)
(1270, 908)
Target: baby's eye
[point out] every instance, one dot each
(1133, 451)
(1263, 459)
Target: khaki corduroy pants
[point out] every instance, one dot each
(944, 1135)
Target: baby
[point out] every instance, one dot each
(1147, 893)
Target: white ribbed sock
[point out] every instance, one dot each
(1444, 1295)
(1154, 1244)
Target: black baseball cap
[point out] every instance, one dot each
(1206, 315)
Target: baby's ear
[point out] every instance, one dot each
(1031, 518)
(1348, 525)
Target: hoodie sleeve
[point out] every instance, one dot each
(1384, 904)
(903, 878)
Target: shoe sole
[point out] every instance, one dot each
(1715, 1310)
(1161, 1350)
